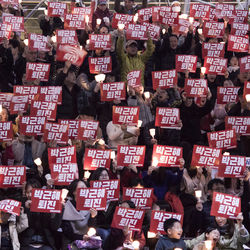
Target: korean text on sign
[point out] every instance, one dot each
(125, 115)
(225, 205)
(10, 206)
(46, 201)
(96, 158)
(12, 176)
(32, 125)
(241, 124)
(130, 155)
(113, 91)
(57, 132)
(128, 217)
(91, 198)
(206, 156)
(167, 117)
(185, 62)
(164, 79)
(6, 132)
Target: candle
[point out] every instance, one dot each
(45, 12)
(100, 78)
(198, 194)
(135, 18)
(191, 20)
(147, 95)
(87, 19)
(38, 162)
(86, 174)
(203, 70)
(155, 162)
(1, 108)
(152, 132)
(248, 97)
(112, 155)
(64, 193)
(98, 21)
(163, 31)
(136, 244)
(121, 26)
(87, 42)
(53, 39)
(208, 244)
(101, 142)
(26, 42)
(139, 123)
(200, 32)
(91, 232)
(151, 235)
(226, 153)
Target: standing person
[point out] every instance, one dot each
(129, 6)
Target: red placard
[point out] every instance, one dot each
(156, 12)
(57, 9)
(167, 156)
(232, 166)
(225, 205)
(213, 49)
(225, 139)
(144, 15)
(168, 17)
(212, 16)
(87, 130)
(215, 65)
(164, 79)
(121, 19)
(223, 10)
(63, 164)
(10, 206)
(74, 21)
(167, 117)
(246, 92)
(100, 41)
(245, 64)
(56, 132)
(5, 99)
(239, 29)
(158, 218)
(46, 201)
(240, 16)
(84, 11)
(37, 71)
(12, 176)
(154, 30)
(66, 37)
(6, 131)
(134, 78)
(238, 43)
(136, 32)
(88, 198)
(70, 53)
(182, 27)
(18, 103)
(199, 11)
(196, 87)
(41, 108)
(113, 91)
(130, 155)
(142, 197)
(125, 115)
(227, 95)
(96, 158)
(5, 30)
(185, 62)
(99, 65)
(51, 94)
(112, 188)
(73, 127)
(206, 156)
(16, 22)
(38, 42)
(32, 126)
(213, 29)
(128, 217)
(30, 91)
(241, 124)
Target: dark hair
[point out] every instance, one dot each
(73, 186)
(34, 183)
(240, 91)
(169, 224)
(174, 36)
(209, 229)
(15, 43)
(97, 173)
(214, 181)
(136, 181)
(164, 205)
(227, 229)
(130, 203)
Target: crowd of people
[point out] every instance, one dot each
(173, 188)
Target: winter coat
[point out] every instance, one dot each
(99, 14)
(165, 243)
(130, 63)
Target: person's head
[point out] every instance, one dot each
(173, 42)
(4, 115)
(74, 185)
(234, 61)
(136, 183)
(162, 205)
(31, 183)
(104, 30)
(221, 221)
(212, 40)
(127, 204)
(129, 4)
(41, 55)
(102, 5)
(4, 217)
(211, 77)
(162, 95)
(14, 46)
(213, 235)
(173, 228)
(228, 83)
(131, 47)
(100, 174)
(243, 76)
(139, 90)
(215, 185)
(30, 55)
(70, 78)
(188, 101)
(78, 144)
(244, 104)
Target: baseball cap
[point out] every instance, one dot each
(130, 42)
